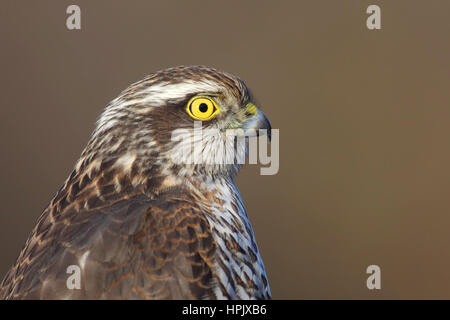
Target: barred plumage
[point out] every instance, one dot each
(138, 224)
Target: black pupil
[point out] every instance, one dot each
(203, 107)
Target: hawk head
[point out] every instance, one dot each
(176, 122)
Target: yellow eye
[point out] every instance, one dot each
(202, 108)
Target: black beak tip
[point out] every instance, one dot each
(264, 124)
(268, 127)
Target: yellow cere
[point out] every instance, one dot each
(251, 109)
(202, 108)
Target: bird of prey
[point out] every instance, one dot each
(137, 224)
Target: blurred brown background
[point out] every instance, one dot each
(363, 116)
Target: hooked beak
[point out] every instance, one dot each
(257, 122)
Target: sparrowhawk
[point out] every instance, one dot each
(138, 223)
